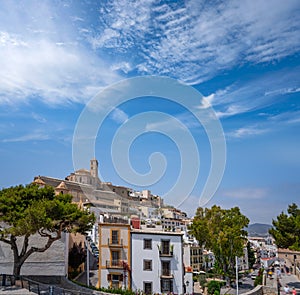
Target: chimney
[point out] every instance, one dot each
(135, 223)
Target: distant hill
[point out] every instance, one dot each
(258, 230)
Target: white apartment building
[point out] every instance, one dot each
(243, 262)
(188, 276)
(157, 261)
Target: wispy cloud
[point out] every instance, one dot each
(38, 118)
(283, 91)
(119, 116)
(41, 57)
(288, 117)
(183, 121)
(246, 132)
(54, 52)
(245, 193)
(265, 125)
(195, 40)
(36, 135)
(58, 74)
(245, 96)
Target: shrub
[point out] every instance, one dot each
(214, 286)
(258, 280)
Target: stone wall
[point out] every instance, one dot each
(52, 262)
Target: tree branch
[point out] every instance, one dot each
(14, 246)
(25, 244)
(32, 250)
(2, 239)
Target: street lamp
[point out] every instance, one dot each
(187, 283)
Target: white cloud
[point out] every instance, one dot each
(123, 66)
(36, 135)
(119, 116)
(246, 132)
(207, 101)
(56, 73)
(250, 95)
(38, 118)
(245, 193)
(195, 40)
(283, 91)
(266, 125)
(44, 53)
(289, 117)
(42, 58)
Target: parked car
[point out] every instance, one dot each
(254, 274)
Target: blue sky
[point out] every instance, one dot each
(243, 56)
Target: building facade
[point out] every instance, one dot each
(115, 255)
(157, 261)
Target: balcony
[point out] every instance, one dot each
(166, 274)
(115, 264)
(114, 243)
(165, 251)
(115, 220)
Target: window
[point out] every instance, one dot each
(115, 237)
(166, 285)
(115, 257)
(148, 288)
(115, 281)
(165, 246)
(165, 266)
(147, 264)
(147, 244)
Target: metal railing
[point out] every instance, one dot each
(166, 250)
(115, 242)
(10, 282)
(165, 272)
(114, 263)
(115, 220)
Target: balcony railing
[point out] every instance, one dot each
(165, 251)
(114, 263)
(115, 220)
(166, 274)
(115, 242)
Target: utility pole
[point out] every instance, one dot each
(87, 263)
(237, 275)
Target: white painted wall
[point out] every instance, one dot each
(139, 275)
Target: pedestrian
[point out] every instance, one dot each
(286, 289)
(278, 272)
(294, 292)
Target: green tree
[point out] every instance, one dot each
(251, 255)
(214, 287)
(286, 230)
(221, 231)
(29, 210)
(77, 255)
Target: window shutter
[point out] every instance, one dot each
(109, 277)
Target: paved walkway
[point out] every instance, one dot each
(197, 288)
(291, 281)
(285, 280)
(15, 291)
